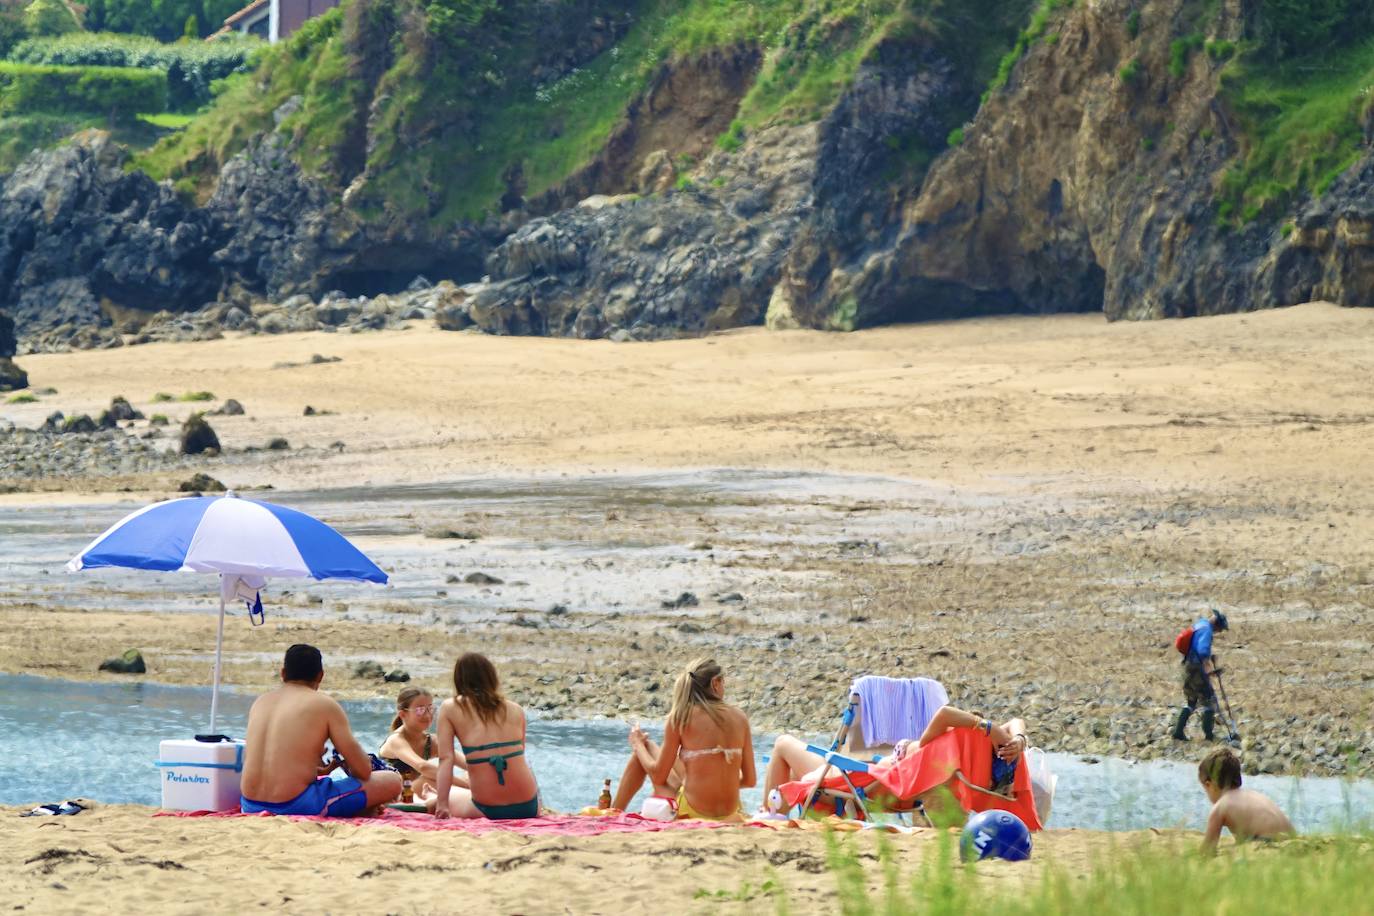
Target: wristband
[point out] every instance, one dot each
(987, 727)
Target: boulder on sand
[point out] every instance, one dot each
(197, 436)
(131, 662)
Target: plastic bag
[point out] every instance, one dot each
(1043, 782)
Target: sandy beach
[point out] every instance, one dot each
(1063, 495)
(181, 865)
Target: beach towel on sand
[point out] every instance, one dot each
(550, 825)
(965, 749)
(893, 708)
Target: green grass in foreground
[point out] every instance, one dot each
(1302, 123)
(1316, 874)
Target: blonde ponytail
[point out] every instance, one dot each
(692, 690)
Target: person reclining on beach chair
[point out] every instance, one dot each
(881, 712)
(287, 730)
(960, 758)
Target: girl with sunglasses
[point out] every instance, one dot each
(410, 748)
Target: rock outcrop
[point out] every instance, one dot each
(1088, 182)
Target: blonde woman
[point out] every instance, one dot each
(410, 748)
(712, 741)
(491, 730)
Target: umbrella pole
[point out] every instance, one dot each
(219, 650)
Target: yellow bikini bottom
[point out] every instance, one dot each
(685, 812)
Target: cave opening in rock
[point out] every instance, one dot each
(377, 277)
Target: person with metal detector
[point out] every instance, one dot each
(1199, 665)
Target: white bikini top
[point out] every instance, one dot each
(731, 754)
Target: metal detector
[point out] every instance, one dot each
(1234, 736)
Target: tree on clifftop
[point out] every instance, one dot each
(50, 17)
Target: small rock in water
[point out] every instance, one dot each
(201, 483)
(688, 627)
(316, 359)
(309, 411)
(131, 662)
(278, 444)
(731, 598)
(699, 545)
(557, 610)
(686, 599)
(369, 669)
(451, 579)
(396, 676)
(481, 578)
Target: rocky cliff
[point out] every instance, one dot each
(728, 190)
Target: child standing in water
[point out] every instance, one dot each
(1246, 813)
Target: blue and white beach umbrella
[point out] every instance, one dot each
(243, 540)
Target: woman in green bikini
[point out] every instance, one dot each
(491, 730)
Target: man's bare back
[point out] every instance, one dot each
(287, 730)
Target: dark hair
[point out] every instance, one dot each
(476, 684)
(303, 663)
(1221, 768)
(403, 700)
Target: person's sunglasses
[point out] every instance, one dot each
(422, 710)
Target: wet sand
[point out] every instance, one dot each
(1069, 494)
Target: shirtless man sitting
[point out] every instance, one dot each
(287, 729)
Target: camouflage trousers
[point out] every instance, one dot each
(1197, 687)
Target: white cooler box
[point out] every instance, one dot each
(199, 775)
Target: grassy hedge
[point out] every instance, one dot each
(119, 92)
(191, 68)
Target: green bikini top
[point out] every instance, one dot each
(497, 761)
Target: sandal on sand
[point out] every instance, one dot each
(54, 808)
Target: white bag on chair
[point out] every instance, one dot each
(1043, 782)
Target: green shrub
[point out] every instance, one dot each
(1220, 49)
(23, 398)
(1133, 23)
(1287, 230)
(1131, 72)
(1302, 122)
(955, 137)
(197, 396)
(118, 92)
(1295, 28)
(162, 397)
(50, 17)
(684, 183)
(1180, 49)
(192, 68)
(733, 138)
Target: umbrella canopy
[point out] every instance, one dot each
(241, 539)
(226, 534)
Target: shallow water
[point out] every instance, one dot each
(63, 739)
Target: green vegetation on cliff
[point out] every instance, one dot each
(439, 110)
(1304, 121)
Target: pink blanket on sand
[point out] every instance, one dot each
(552, 825)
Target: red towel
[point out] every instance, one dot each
(923, 769)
